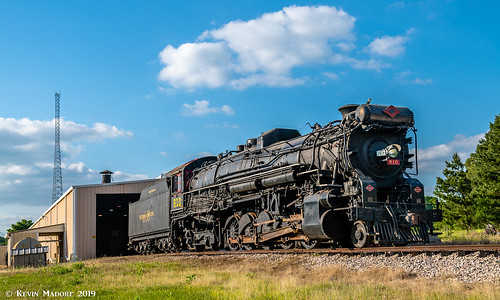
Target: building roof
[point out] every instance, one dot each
(74, 187)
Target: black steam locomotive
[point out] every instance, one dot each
(344, 184)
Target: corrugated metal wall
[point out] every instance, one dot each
(3, 251)
(86, 212)
(60, 213)
(80, 221)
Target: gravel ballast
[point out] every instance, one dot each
(465, 268)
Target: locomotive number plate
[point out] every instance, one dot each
(176, 202)
(393, 162)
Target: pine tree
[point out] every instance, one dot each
(454, 192)
(483, 169)
(20, 225)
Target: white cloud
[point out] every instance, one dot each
(265, 50)
(26, 161)
(196, 65)
(431, 159)
(388, 45)
(232, 126)
(11, 169)
(331, 75)
(179, 136)
(202, 108)
(226, 109)
(346, 46)
(36, 130)
(77, 167)
(224, 125)
(102, 131)
(18, 211)
(119, 176)
(202, 154)
(275, 80)
(26, 142)
(422, 81)
(371, 64)
(276, 42)
(198, 155)
(199, 108)
(397, 4)
(26, 128)
(407, 78)
(410, 31)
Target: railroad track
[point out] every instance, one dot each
(428, 249)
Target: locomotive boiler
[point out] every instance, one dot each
(345, 183)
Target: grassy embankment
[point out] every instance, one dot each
(473, 237)
(166, 277)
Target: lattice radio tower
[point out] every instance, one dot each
(57, 189)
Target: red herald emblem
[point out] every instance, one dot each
(417, 189)
(370, 188)
(391, 111)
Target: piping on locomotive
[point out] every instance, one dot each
(344, 183)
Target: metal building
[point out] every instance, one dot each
(3, 255)
(87, 221)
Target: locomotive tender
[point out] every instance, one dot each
(343, 183)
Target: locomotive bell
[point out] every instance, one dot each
(362, 113)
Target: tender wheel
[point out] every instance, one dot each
(248, 247)
(268, 246)
(311, 244)
(359, 234)
(287, 245)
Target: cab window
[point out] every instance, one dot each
(187, 176)
(177, 183)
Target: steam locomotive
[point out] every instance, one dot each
(345, 183)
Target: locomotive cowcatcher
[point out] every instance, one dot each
(345, 183)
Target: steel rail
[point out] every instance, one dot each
(429, 249)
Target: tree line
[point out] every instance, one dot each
(469, 192)
(20, 225)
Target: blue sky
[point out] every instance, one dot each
(146, 86)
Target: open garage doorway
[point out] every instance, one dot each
(112, 223)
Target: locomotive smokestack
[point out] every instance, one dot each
(106, 176)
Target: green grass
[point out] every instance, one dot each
(235, 277)
(473, 237)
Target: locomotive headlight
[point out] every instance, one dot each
(393, 152)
